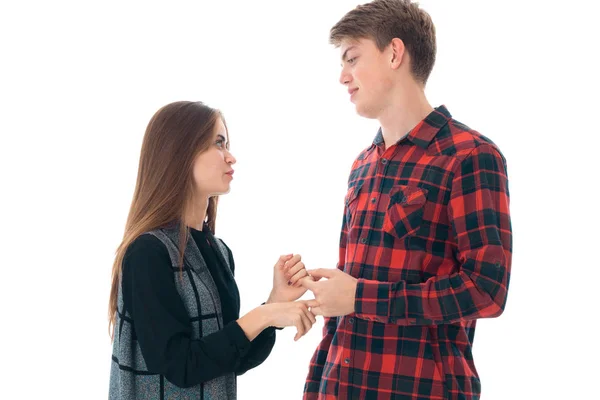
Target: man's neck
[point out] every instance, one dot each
(408, 108)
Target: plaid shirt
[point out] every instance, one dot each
(427, 233)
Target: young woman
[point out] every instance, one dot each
(174, 303)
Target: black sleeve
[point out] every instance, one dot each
(162, 324)
(261, 346)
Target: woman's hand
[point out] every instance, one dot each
(295, 313)
(280, 315)
(288, 271)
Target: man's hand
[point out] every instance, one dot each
(335, 295)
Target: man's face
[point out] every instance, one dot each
(367, 74)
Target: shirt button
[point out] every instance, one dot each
(403, 201)
(374, 199)
(351, 320)
(347, 361)
(363, 240)
(384, 160)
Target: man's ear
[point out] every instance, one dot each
(397, 51)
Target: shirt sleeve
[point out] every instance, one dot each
(260, 349)
(317, 362)
(478, 210)
(162, 324)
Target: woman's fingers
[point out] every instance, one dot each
(292, 269)
(311, 317)
(300, 328)
(282, 260)
(308, 318)
(303, 273)
(291, 262)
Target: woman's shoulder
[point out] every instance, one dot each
(146, 242)
(146, 251)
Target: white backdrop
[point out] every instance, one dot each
(80, 80)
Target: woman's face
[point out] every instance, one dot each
(212, 168)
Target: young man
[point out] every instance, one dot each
(426, 238)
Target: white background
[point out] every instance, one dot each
(80, 80)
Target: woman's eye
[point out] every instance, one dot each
(219, 143)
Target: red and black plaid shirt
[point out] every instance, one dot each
(427, 233)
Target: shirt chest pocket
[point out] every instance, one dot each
(405, 210)
(351, 201)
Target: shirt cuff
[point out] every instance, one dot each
(237, 337)
(372, 301)
(271, 330)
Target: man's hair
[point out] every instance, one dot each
(383, 20)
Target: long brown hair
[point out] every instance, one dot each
(175, 135)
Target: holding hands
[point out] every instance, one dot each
(282, 309)
(334, 295)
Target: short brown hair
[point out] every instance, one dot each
(384, 20)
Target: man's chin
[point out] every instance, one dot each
(365, 112)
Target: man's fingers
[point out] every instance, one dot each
(299, 283)
(309, 284)
(316, 310)
(311, 303)
(323, 273)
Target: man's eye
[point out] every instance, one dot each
(351, 60)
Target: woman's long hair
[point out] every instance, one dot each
(164, 190)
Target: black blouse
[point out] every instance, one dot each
(162, 325)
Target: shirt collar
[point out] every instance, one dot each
(424, 132)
